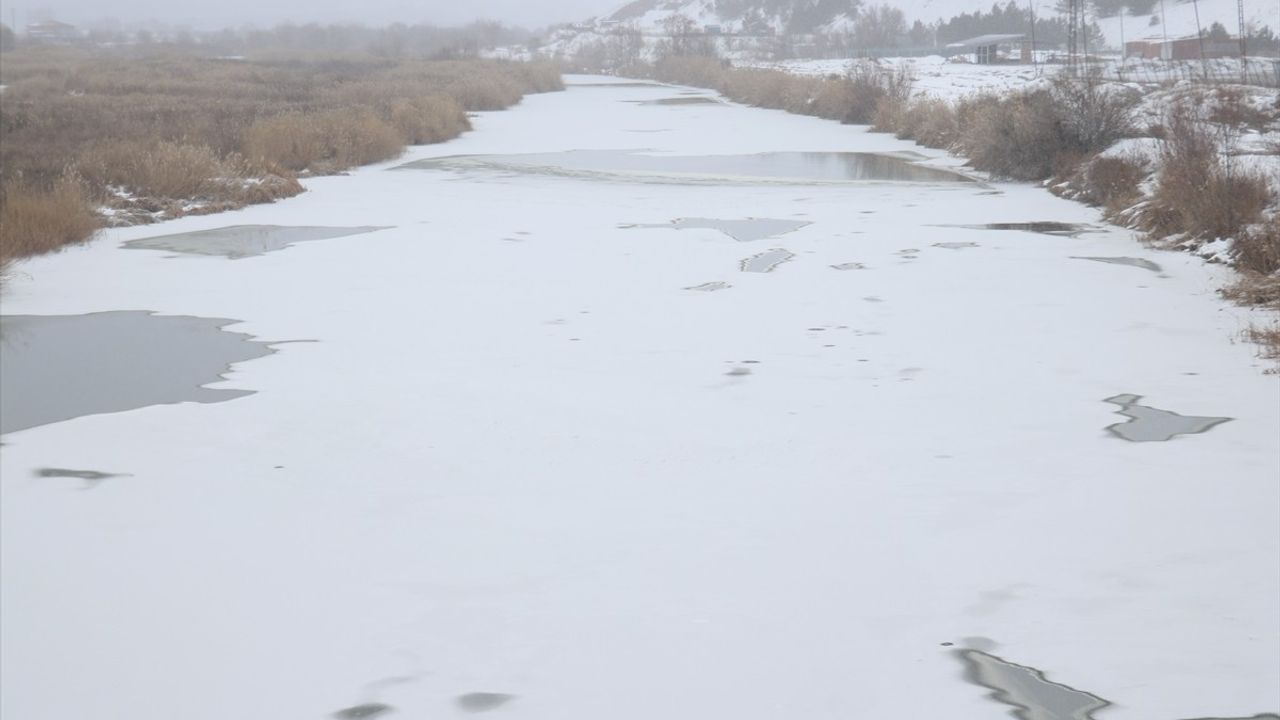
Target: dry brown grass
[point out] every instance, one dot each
(929, 121)
(1113, 183)
(1230, 106)
(849, 98)
(428, 119)
(1012, 137)
(1200, 194)
(168, 133)
(328, 141)
(1267, 338)
(37, 220)
(1257, 250)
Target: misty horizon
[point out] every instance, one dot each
(239, 13)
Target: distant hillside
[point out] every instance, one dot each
(1179, 19)
(749, 16)
(764, 17)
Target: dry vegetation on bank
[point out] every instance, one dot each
(156, 136)
(1193, 192)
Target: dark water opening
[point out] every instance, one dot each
(75, 474)
(1035, 697)
(361, 712)
(1027, 689)
(794, 167)
(687, 100)
(1132, 261)
(1148, 424)
(483, 701)
(242, 241)
(1046, 227)
(58, 367)
(623, 84)
(744, 230)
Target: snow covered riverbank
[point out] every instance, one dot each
(532, 454)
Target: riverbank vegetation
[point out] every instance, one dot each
(95, 136)
(1168, 167)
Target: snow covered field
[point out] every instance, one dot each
(934, 75)
(524, 468)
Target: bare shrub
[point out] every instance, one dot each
(761, 88)
(1093, 114)
(927, 120)
(1257, 248)
(1268, 341)
(1114, 183)
(36, 220)
(1017, 137)
(871, 84)
(1033, 135)
(1229, 105)
(832, 97)
(1200, 192)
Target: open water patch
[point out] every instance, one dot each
(1035, 697)
(59, 367)
(242, 241)
(678, 101)
(744, 230)
(1148, 424)
(626, 84)
(1041, 227)
(478, 702)
(1028, 690)
(787, 167)
(766, 261)
(362, 712)
(1131, 261)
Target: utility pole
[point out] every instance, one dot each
(1164, 23)
(1124, 52)
(1073, 16)
(1204, 61)
(1244, 31)
(1084, 32)
(1031, 11)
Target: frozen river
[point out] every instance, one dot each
(625, 407)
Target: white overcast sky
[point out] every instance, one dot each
(208, 14)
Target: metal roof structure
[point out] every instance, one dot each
(985, 40)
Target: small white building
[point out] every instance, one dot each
(52, 31)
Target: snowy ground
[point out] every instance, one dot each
(935, 75)
(522, 458)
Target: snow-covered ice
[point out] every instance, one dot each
(523, 469)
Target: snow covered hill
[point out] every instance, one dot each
(806, 16)
(1179, 17)
(735, 16)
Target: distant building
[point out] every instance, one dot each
(987, 49)
(1187, 48)
(52, 31)
(712, 29)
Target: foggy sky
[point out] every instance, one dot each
(214, 14)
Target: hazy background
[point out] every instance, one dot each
(215, 14)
